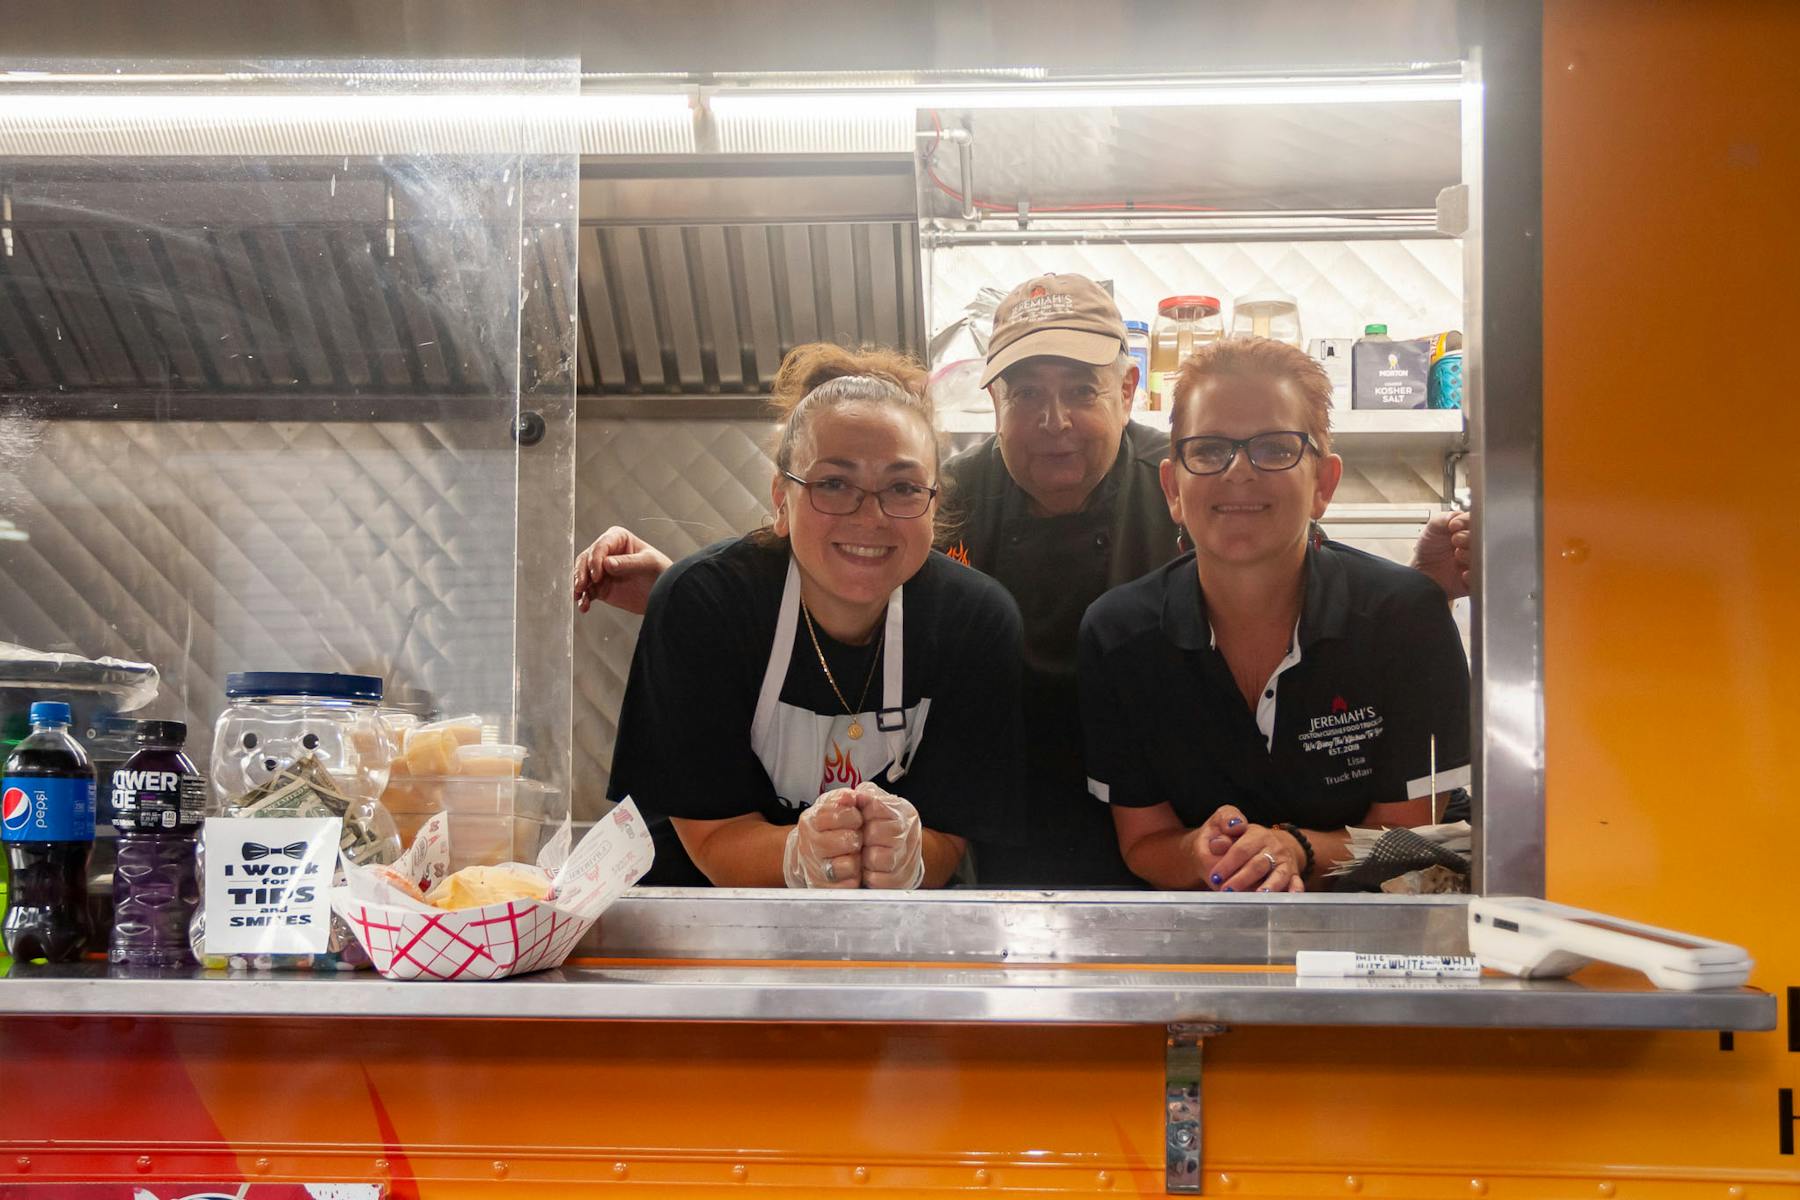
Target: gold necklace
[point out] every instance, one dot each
(856, 730)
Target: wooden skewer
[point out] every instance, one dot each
(1434, 779)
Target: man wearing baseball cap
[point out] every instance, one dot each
(1061, 503)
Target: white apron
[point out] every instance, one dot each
(808, 754)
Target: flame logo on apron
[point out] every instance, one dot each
(839, 771)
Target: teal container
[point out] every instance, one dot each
(1445, 385)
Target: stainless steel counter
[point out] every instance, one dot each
(903, 994)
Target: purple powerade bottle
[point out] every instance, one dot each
(160, 800)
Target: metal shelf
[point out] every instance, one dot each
(905, 994)
(1403, 432)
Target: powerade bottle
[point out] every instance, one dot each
(47, 822)
(158, 801)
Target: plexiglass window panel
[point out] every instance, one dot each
(264, 339)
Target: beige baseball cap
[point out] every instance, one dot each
(1058, 316)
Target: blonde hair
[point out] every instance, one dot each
(1262, 357)
(818, 377)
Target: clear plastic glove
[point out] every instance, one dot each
(893, 854)
(619, 569)
(824, 848)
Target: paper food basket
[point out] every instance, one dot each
(408, 939)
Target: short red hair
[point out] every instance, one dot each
(1265, 358)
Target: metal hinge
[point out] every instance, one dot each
(1181, 1093)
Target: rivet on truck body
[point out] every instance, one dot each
(262, 1166)
(1607, 1188)
(981, 1177)
(740, 1172)
(143, 1162)
(23, 1162)
(500, 1169)
(1352, 1183)
(1478, 1186)
(861, 1174)
(620, 1170)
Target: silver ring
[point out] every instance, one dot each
(830, 871)
(1272, 863)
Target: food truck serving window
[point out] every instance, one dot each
(388, 346)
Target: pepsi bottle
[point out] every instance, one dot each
(158, 801)
(47, 824)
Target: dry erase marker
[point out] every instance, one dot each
(1347, 964)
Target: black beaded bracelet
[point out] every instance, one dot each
(1294, 831)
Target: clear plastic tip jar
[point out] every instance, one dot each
(287, 742)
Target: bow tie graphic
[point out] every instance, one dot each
(256, 850)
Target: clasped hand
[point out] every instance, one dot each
(856, 837)
(1236, 856)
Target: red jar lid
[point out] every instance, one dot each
(1169, 303)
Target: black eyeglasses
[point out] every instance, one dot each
(837, 497)
(1279, 450)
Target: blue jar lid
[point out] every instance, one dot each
(50, 712)
(1136, 327)
(245, 685)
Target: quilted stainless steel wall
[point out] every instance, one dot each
(210, 547)
(681, 485)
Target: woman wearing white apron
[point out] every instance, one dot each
(827, 702)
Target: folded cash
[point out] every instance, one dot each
(307, 789)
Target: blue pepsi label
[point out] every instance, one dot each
(35, 809)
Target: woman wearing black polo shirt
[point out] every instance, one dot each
(828, 702)
(1246, 703)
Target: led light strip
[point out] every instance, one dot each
(1380, 89)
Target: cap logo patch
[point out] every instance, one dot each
(1038, 292)
(1041, 306)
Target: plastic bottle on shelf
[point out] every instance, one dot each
(1137, 344)
(159, 800)
(1445, 388)
(47, 822)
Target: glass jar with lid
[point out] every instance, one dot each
(1273, 315)
(1183, 325)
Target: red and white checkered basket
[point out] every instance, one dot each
(475, 943)
(409, 940)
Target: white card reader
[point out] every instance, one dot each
(1538, 939)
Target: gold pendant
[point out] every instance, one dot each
(855, 730)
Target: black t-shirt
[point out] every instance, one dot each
(1380, 670)
(684, 744)
(1055, 567)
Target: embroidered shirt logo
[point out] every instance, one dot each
(1345, 730)
(960, 552)
(1342, 714)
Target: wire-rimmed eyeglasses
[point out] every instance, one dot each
(837, 497)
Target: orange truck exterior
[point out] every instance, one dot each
(1671, 167)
